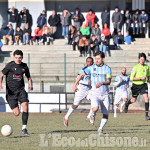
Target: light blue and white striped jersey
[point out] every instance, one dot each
(122, 85)
(85, 80)
(99, 74)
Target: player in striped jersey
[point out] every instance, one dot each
(100, 80)
(122, 83)
(84, 86)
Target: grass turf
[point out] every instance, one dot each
(43, 128)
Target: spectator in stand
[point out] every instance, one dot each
(105, 16)
(93, 45)
(53, 22)
(47, 36)
(96, 31)
(13, 17)
(83, 45)
(103, 43)
(136, 22)
(1, 45)
(90, 18)
(128, 39)
(106, 31)
(18, 36)
(9, 35)
(117, 19)
(65, 21)
(118, 39)
(143, 21)
(41, 21)
(77, 18)
(85, 31)
(71, 33)
(25, 18)
(38, 34)
(26, 35)
(128, 20)
(76, 39)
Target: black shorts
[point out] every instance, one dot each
(139, 89)
(19, 96)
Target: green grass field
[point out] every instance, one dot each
(46, 129)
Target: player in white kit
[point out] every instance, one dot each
(100, 79)
(122, 83)
(84, 87)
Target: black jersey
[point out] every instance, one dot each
(15, 76)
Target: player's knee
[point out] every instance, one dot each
(16, 113)
(95, 109)
(74, 106)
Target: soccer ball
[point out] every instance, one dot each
(6, 130)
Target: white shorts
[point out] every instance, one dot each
(120, 95)
(103, 101)
(80, 95)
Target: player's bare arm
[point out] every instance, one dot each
(103, 83)
(30, 84)
(77, 81)
(1, 80)
(138, 79)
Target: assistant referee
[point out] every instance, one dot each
(140, 76)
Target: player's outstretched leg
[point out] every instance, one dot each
(115, 110)
(122, 106)
(66, 117)
(92, 117)
(102, 124)
(88, 118)
(146, 106)
(127, 104)
(24, 118)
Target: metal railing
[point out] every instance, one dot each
(66, 101)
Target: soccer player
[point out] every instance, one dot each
(84, 88)
(100, 79)
(140, 75)
(15, 91)
(122, 83)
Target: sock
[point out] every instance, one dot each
(69, 112)
(128, 102)
(115, 109)
(90, 113)
(24, 127)
(24, 119)
(146, 108)
(123, 103)
(103, 123)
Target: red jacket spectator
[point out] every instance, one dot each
(106, 31)
(38, 32)
(90, 17)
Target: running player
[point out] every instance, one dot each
(84, 87)
(122, 83)
(100, 79)
(15, 91)
(139, 76)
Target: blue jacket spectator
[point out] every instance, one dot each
(105, 16)
(41, 21)
(143, 21)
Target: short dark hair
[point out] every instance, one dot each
(18, 52)
(90, 58)
(142, 55)
(100, 53)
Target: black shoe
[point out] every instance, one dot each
(25, 132)
(147, 117)
(126, 108)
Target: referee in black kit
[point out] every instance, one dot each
(15, 87)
